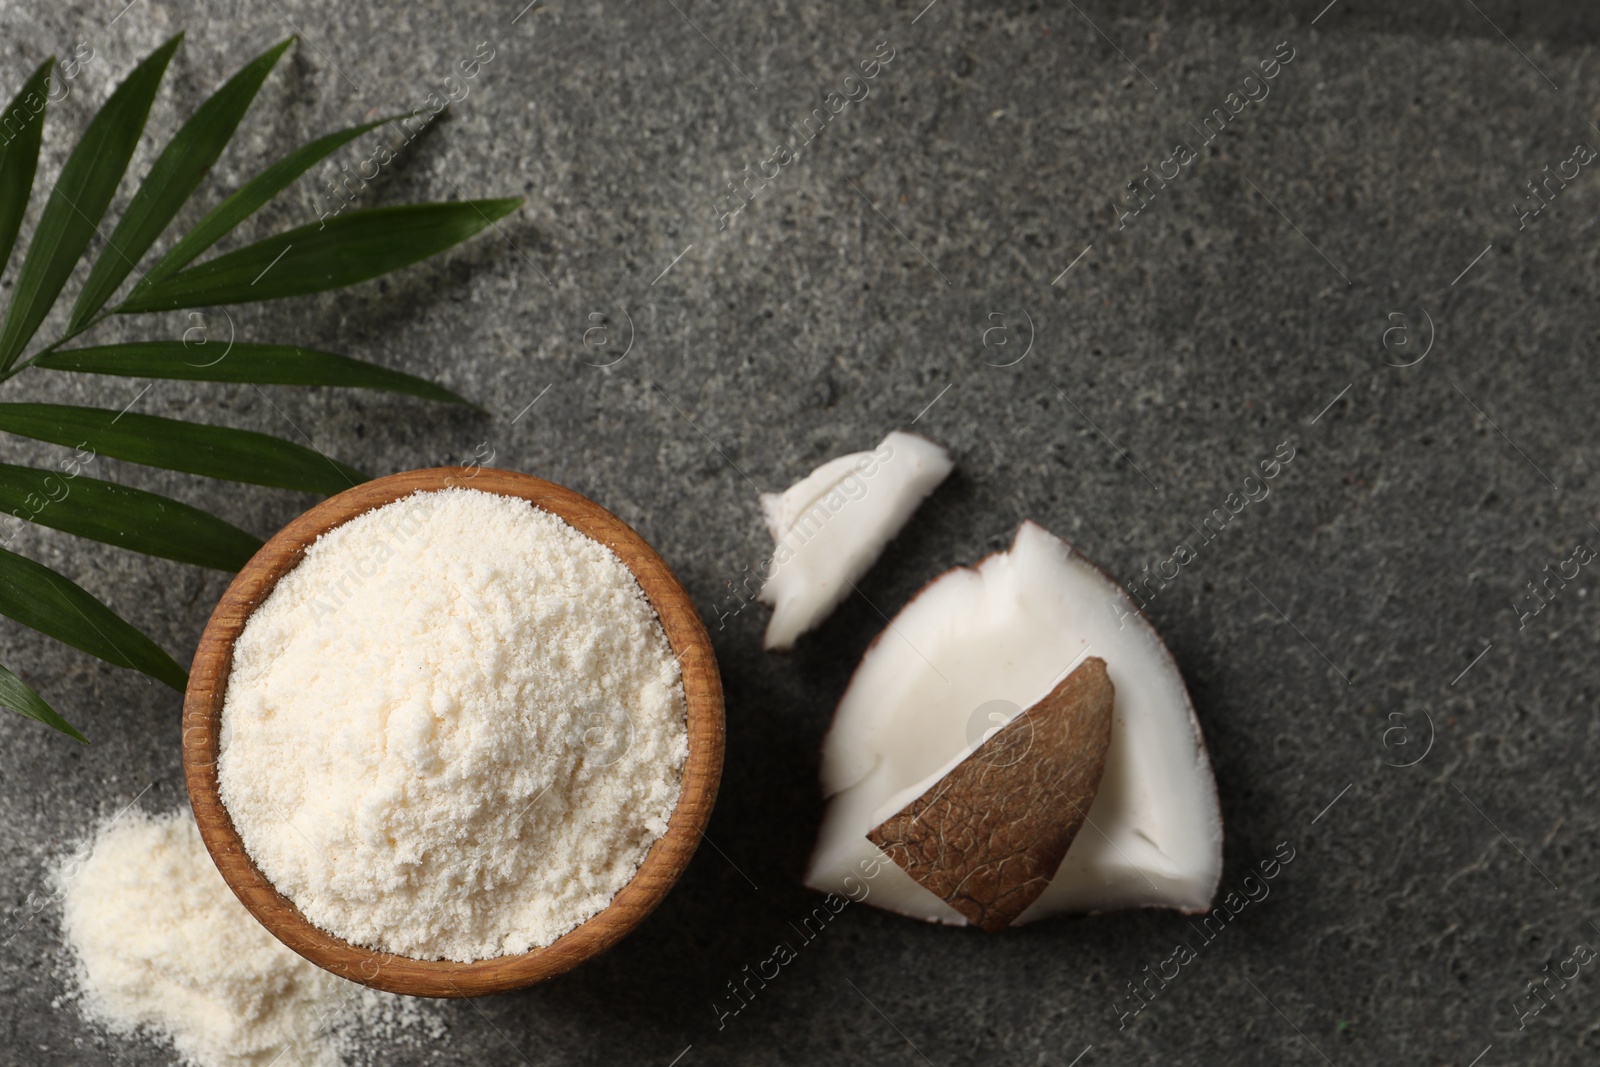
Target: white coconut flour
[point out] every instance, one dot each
(164, 946)
(454, 729)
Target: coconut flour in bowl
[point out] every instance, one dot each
(453, 730)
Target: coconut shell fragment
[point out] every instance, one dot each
(988, 837)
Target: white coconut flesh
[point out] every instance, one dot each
(970, 652)
(830, 527)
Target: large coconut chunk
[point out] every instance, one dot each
(970, 652)
(831, 526)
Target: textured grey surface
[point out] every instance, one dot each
(851, 295)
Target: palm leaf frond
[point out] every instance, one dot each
(88, 180)
(249, 199)
(242, 361)
(121, 515)
(194, 447)
(44, 600)
(20, 698)
(173, 177)
(19, 156)
(323, 255)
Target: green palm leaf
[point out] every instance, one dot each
(241, 362)
(326, 255)
(19, 156)
(334, 252)
(249, 199)
(212, 451)
(87, 182)
(43, 600)
(123, 516)
(173, 177)
(20, 698)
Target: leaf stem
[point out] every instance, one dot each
(53, 345)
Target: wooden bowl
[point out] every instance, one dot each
(202, 719)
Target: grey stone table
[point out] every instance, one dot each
(1367, 204)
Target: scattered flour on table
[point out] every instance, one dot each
(163, 946)
(453, 730)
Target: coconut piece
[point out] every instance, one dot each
(988, 837)
(831, 526)
(966, 655)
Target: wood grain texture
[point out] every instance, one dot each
(988, 837)
(666, 860)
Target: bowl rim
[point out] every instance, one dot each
(662, 865)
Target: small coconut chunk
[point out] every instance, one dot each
(987, 837)
(973, 649)
(831, 526)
